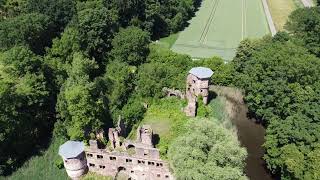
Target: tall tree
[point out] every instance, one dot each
(207, 151)
(97, 27)
(131, 45)
(27, 106)
(81, 104)
(59, 11)
(32, 30)
(304, 24)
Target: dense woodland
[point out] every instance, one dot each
(69, 68)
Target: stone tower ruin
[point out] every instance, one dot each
(74, 159)
(144, 135)
(198, 81)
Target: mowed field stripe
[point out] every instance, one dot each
(209, 21)
(219, 26)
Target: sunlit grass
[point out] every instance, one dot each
(42, 166)
(280, 11)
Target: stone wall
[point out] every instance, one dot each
(76, 167)
(139, 166)
(196, 87)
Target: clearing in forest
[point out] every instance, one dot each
(219, 26)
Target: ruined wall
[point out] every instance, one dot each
(137, 166)
(195, 87)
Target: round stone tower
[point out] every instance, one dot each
(74, 159)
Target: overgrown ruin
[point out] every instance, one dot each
(198, 81)
(139, 160)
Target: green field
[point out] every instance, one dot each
(219, 26)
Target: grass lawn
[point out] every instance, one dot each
(167, 119)
(167, 42)
(42, 167)
(281, 9)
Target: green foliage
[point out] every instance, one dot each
(95, 78)
(281, 83)
(223, 72)
(155, 16)
(81, 103)
(207, 151)
(130, 45)
(303, 23)
(59, 163)
(11, 8)
(43, 166)
(165, 69)
(32, 30)
(133, 112)
(26, 111)
(96, 29)
(119, 77)
(202, 110)
(59, 11)
(167, 121)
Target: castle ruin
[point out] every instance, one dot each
(198, 81)
(139, 160)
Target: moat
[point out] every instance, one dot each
(250, 134)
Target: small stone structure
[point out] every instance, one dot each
(198, 81)
(173, 92)
(74, 159)
(139, 160)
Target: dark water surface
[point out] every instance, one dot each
(251, 136)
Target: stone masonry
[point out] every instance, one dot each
(198, 81)
(139, 159)
(74, 159)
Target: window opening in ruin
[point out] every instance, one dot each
(65, 161)
(201, 90)
(99, 156)
(151, 163)
(157, 164)
(90, 155)
(193, 81)
(121, 168)
(102, 167)
(92, 165)
(132, 172)
(161, 164)
(112, 158)
(167, 176)
(128, 160)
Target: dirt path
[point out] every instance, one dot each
(266, 8)
(251, 134)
